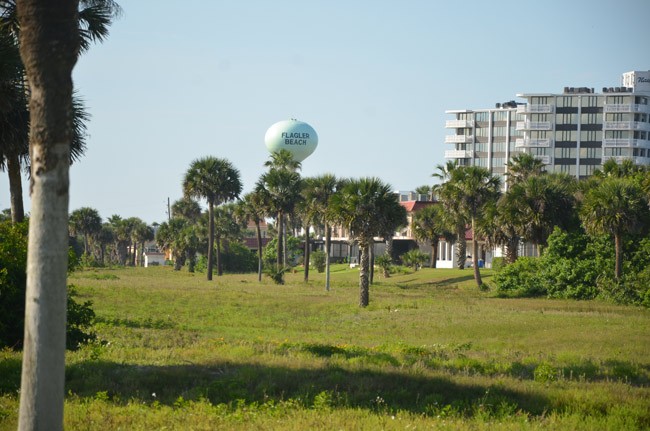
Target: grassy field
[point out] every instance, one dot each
(430, 352)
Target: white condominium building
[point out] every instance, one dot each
(573, 132)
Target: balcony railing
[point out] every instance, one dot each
(458, 139)
(621, 143)
(535, 109)
(534, 125)
(626, 107)
(625, 125)
(459, 154)
(528, 142)
(458, 124)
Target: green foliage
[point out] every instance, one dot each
(238, 259)
(13, 278)
(318, 259)
(498, 263)
(521, 278)
(385, 263)
(13, 282)
(414, 258)
(294, 251)
(579, 266)
(275, 273)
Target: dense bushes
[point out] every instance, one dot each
(13, 281)
(579, 266)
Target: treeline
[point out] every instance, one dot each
(590, 236)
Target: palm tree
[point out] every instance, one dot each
(323, 188)
(540, 203)
(616, 206)
(472, 189)
(430, 225)
(452, 214)
(251, 208)
(523, 166)
(366, 208)
(186, 208)
(49, 45)
(279, 189)
(87, 222)
(217, 181)
(140, 233)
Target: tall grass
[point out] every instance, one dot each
(178, 352)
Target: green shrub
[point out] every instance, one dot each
(414, 258)
(239, 259)
(13, 283)
(498, 263)
(318, 260)
(521, 278)
(385, 262)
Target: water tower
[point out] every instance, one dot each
(297, 137)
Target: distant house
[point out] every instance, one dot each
(250, 235)
(152, 255)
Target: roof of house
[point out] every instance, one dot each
(412, 206)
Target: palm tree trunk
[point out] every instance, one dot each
(364, 294)
(512, 250)
(279, 250)
(434, 252)
(210, 238)
(15, 188)
(48, 46)
(306, 259)
(371, 261)
(328, 246)
(259, 250)
(618, 246)
(461, 249)
(477, 272)
(389, 248)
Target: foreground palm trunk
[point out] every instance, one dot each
(328, 247)
(364, 293)
(477, 272)
(48, 46)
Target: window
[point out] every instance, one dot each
(591, 135)
(499, 131)
(500, 115)
(591, 118)
(482, 116)
(499, 147)
(590, 153)
(566, 135)
(566, 101)
(591, 101)
(566, 118)
(565, 153)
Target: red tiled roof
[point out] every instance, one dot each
(412, 206)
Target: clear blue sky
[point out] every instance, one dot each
(176, 81)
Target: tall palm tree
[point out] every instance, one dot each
(322, 189)
(367, 208)
(453, 213)
(251, 208)
(540, 203)
(86, 222)
(49, 45)
(279, 189)
(469, 190)
(429, 224)
(616, 206)
(227, 229)
(217, 181)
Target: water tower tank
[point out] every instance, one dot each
(297, 137)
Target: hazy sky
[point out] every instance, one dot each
(176, 81)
